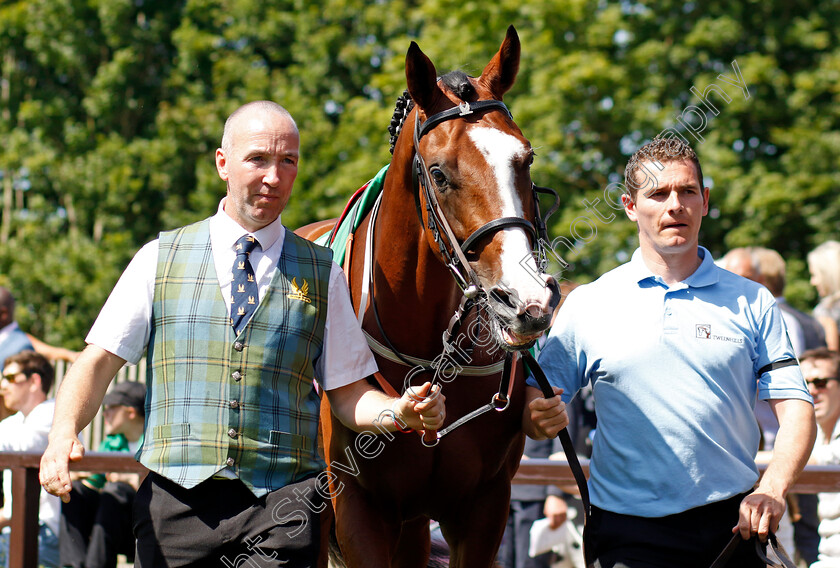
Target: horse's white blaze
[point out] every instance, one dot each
(500, 150)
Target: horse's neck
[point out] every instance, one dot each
(415, 294)
(415, 272)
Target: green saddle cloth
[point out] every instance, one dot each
(350, 222)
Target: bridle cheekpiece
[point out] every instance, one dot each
(456, 260)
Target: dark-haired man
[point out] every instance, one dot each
(676, 349)
(25, 384)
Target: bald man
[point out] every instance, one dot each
(239, 315)
(748, 262)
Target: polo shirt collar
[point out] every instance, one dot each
(229, 231)
(705, 275)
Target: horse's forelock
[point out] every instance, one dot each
(459, 84)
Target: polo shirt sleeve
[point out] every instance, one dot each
(346, 357)
(773, 346)
(563, 359)
(124, 323)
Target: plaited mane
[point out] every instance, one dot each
(403, 107)
(456, 82)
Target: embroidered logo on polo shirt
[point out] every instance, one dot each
(301, 293)
(704, 331)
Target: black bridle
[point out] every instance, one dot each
(456, 260)
(465, 277)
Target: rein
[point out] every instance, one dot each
(772, 543)
(499, 402)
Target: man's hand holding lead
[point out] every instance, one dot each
(759, 513)
(547, 416)
(422, 408)
(55, 465)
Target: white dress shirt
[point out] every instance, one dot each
(29, 434)
(827, 452)
(124, 324)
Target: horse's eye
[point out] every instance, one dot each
(438, 177)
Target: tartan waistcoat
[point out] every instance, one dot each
(244, 401)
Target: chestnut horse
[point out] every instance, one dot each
(453, 236)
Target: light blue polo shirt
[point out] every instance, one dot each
(673, 372)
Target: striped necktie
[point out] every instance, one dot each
(243, 289)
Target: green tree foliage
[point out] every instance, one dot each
(110, 111)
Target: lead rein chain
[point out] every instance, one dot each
(499, 402)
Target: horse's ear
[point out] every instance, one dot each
(421, 78)
(500, 73)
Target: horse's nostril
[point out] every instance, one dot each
(503, 297)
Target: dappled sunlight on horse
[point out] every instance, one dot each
(450, 251)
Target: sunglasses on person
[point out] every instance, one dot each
(821, 383)
(12, 377)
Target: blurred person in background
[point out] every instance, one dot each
(12, 338)
(821, 369)
(26, 380)
(96, 523)
(746, 262)
(824, 266)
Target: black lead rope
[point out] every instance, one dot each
(568, 447)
